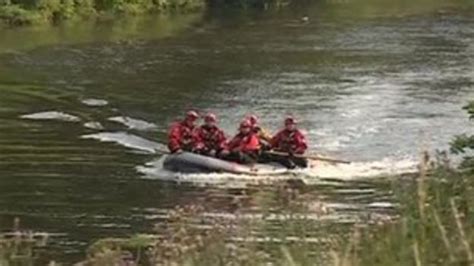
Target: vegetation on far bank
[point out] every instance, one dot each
(29, 12)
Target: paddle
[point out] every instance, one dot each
(312, 157)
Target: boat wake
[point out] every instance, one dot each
(318, 173)
(128, 140)
(356, 170)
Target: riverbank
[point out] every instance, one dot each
(18, 13)
(27, 12)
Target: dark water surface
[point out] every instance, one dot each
(374, 83)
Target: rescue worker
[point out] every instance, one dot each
(211, 138)
(291, 141)
(182, 135)
(244, 147)
(262, 134)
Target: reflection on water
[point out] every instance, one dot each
(17, 40)
(84, 109)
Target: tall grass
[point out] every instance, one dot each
(436, 224)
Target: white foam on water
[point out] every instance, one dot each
(385, 167)
(93, 125)
(133, 123)
(95, 102)
(127, 140)
(314, 175)
(52, 115)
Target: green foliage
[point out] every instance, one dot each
(463, 144)
(26, 12)
(16, 15)
(251, 4)
(85, 8)
(5, 2)
(470, 109)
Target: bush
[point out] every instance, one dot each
(25, 12)
(5, 2)
(464, 144)
(85, 8)
(16, 15)
(21, 12)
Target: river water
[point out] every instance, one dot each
(83, 106)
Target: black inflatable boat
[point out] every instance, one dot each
(194, 163)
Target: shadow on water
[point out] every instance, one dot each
(83, 105)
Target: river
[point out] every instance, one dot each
(83, 105)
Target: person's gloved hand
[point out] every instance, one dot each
(199, 146)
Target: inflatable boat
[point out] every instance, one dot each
(194, 163)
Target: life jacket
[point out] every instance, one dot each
(289, 141)
(212, 138)
(245, 143)
(181, 136)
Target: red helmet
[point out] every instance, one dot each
(210, 117)
(192, 115)
(290, 120)
(253, 119)
(245, 124)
